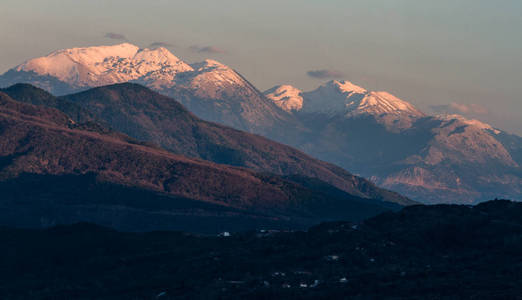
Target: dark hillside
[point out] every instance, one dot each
(421, 252)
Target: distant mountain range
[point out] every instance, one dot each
(444, 158)
(374, 134)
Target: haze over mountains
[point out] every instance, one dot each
(374, 134)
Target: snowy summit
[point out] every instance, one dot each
(343, 97)
(286, 96)
(79, 68)
(102, 65)
(469, 122)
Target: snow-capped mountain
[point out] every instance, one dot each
(287, 97)
(103, 65)
(211, 76)
(387, 139)
(210, 89)
(343, 98)
(470, 122)
(375, 134)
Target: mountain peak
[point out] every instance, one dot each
(346, 87)
(286, 96)
(385, 103)
(212, 78)
(125, 45)
(102, 65)
(156, 55)
(58, 61)
(469, 122)
(209, 64)
(25, 91)
(213, 63)
(343, 97)
(235, 101)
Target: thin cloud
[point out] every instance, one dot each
(325, 74)
(207, 49)
(115, 36)
(460, 108)
(160, 44)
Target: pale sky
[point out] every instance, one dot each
(430, 53)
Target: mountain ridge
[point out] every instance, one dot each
(55, 169)
(374, 134)
(210, 89)
(150, 117)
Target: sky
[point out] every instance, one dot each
(457, 56)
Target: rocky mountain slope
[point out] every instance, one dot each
(148, 116)
(421, 252)
(445, 158)
(54, 170)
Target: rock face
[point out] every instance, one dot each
(375, 134)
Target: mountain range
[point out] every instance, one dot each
(57, 170)
(432, 159)
(443, 158)
(209, 89)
